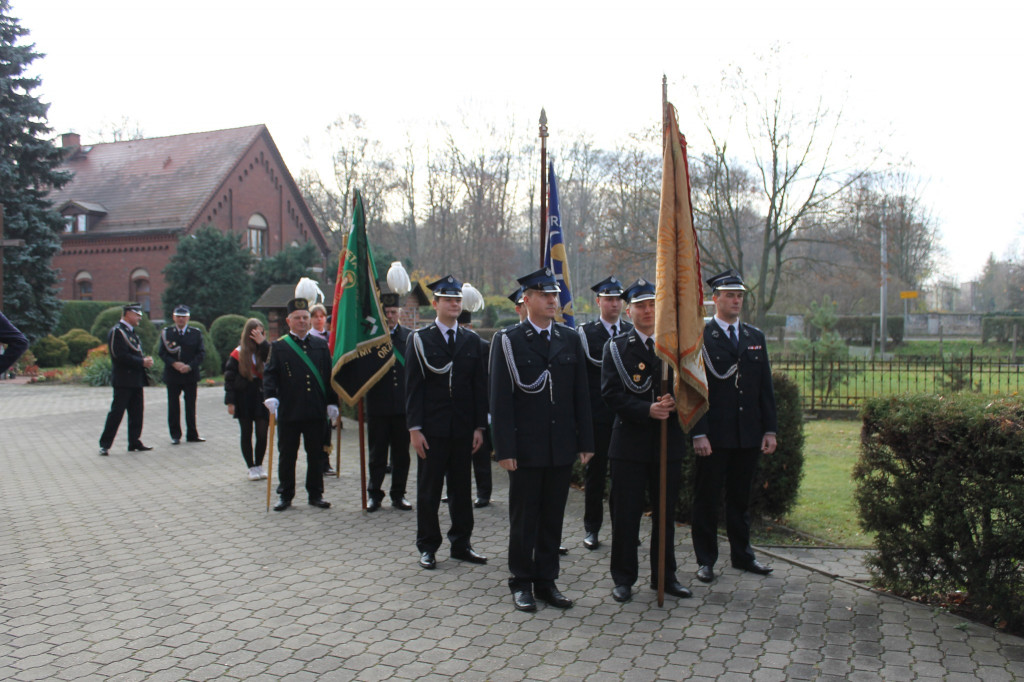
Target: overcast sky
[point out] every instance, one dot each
(935, 82)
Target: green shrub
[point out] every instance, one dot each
(98, 370)
(50, 352)
(259, 316)
(1000, 327)
(81, 315)
(859, 329)
(226, 331)
(79, 342)
(940, 481)
(108, 318)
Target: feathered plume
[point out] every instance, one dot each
(472, 300)
(398, 279)
(308, 289)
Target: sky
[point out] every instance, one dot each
(933, 83)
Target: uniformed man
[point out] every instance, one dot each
(540, 412)
(446, 413)
(182, 350)
(297, 388)
(385, 412)
(517, 299)
(630, 385)
(14, 344)
(739, 425)
(594, 335)
(128, 376)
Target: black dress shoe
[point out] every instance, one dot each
(753, 566)
(320, 502)
(372, 505)
(622, 593)
(591, 541)
(705, 574)
(105, 451)
(197, 439)
(282, 504)
(469, 555)
(524, 601)
(675, 588)
(402, 504)
(428, 561)
(552, 596)
(563, 550)
(481, 502)
(139, 447)
(175, 441)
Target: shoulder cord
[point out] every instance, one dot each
(586, 346)
(627, 381)
(538, 385)
(169, 345)
(711, 367)
(137, 347)
(417, 344)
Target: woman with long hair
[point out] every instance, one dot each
(243, 394)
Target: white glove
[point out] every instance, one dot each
(332, 412)
(271, 404)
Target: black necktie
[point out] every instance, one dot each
(614, 331)
(650, 344)
(733, 338)
(544, 335)
(451, 339)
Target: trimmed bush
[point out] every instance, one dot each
(79, 342)
(858, 329)
(81, 315)
(51, 351)
(108, 318)
(225, 333)
(940, 481)
(1000, 327)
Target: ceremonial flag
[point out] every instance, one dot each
(555, 256)
(361, 343)
(679, 294)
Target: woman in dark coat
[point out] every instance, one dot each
(243, 394)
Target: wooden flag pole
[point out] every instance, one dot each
(543, 184)
(663, 455)
(270, 456)
(337, 448)
(362, 454)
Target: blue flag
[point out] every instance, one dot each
(554, 253)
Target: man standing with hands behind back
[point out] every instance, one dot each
(182, 350)
(739, 425)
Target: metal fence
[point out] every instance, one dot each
(844, 384)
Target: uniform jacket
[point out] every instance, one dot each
(741, 409)
(387, 397)
(15, 341)
(126, 358)
(549, 427)
(287, 378)
(453, 404)
(596, 336)
(245, 394)
(636, 435)
(184, 347)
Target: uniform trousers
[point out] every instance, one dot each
(734, 468)
(536, 507)
(595, 479)
(388, 432)
(174, 410)
(288, 433)
(630, 480)
(125, 399)
(482, 468)
(448, 459)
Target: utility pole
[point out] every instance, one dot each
(883, 328)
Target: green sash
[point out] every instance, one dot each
(309, 363)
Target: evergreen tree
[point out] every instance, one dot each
(287, 267)
(28, 170)
(209, 274)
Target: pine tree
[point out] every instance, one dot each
(29, 164)
(209, 274)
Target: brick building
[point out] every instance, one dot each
(130, 202)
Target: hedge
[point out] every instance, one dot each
(1000, 327)
(79, 342)
(226, 332)
(50, 351)
(82, 315)
(859, 329)
(940, 481)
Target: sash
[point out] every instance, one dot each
(309, 363)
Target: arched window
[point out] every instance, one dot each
(83, 286)
(140, 288)
(258, 235)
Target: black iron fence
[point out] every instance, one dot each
(844, 384)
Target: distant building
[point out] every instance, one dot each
(130, 202)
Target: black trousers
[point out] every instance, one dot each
(448, 459)
(312, 434)
(536, 508)
(482, 468)
(733, 468)
(630, 480)
(125, 399)
(388, 433)
(174, 410)
(595, 479)
(248, 426)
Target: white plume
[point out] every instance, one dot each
(398, 279)
(308, 289)
(472, 300)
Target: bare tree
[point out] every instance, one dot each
(120, 130)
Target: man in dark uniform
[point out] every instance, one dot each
(446, 413)
(14, 344)
(594, 335)
(385, 412)
(182, 350)
(540, 412)
(128, 376)
(739, 425)
(630, 384)
(297, 388)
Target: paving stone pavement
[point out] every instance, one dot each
(165, 566)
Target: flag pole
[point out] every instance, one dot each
(663, 454)
(270, 456)
(337, 448)
(543, 183)
(362, 453)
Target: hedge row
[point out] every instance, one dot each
(860, 329)
(1000, 328)
(940, 481)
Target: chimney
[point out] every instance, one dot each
(70, 140)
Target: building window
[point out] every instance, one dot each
(140, 289)
(83, 286)
(81, 222)
(258, 235)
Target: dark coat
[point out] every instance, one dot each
(550, 427)
(636, 436)
(596, 336)
(16, 343)
(387, 397)
(245, 394)
(741, 408)
(184, 347)
(453, 404)
(126, 358)
(287, 378)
